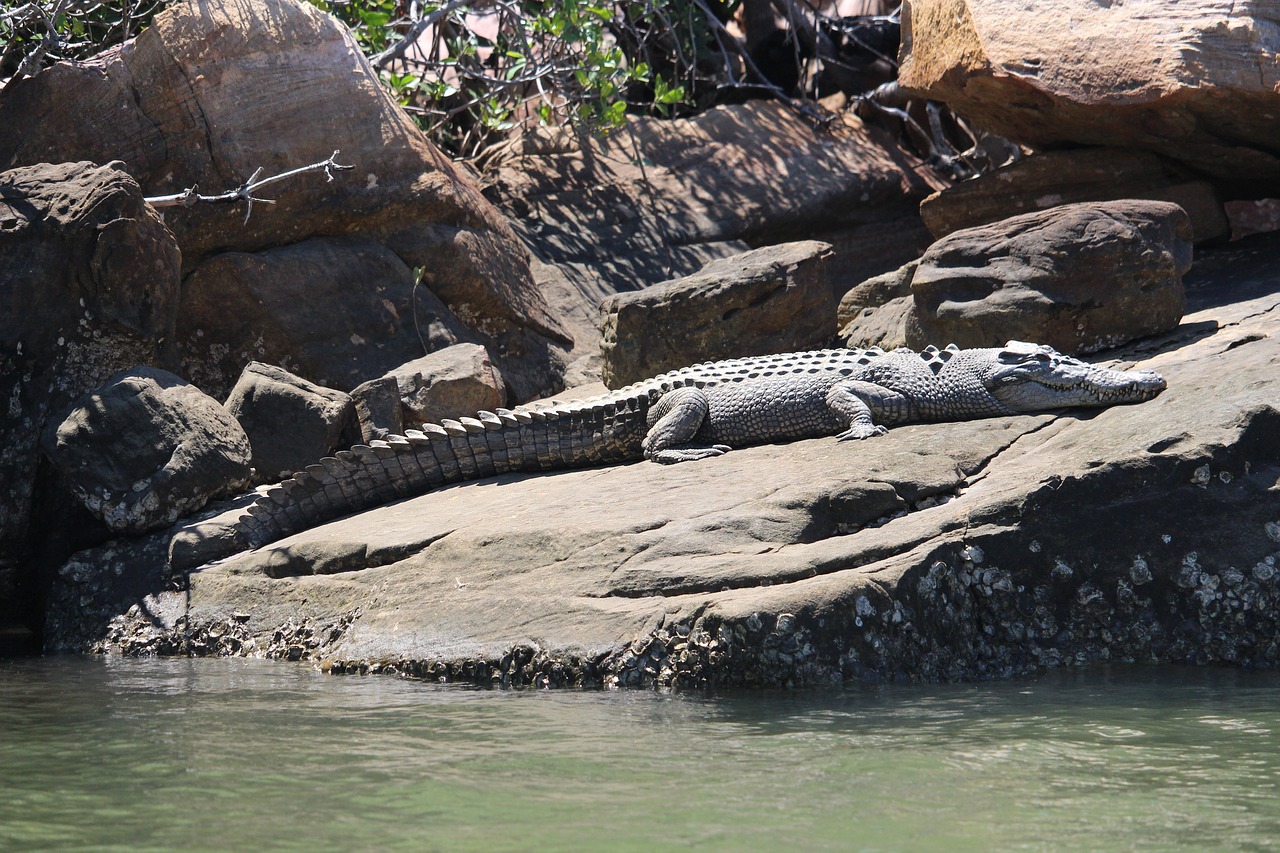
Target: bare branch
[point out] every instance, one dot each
(397, 50)
(805, 108)
(31, 63)
(244, 192)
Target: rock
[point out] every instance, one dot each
(296, 306)
(1080, 277)
(215, 89)
(669, 196)
(458, 381)
(1253, 217)
(875, 312)
(148, 448)
(290, 422)
(1195, 82)
(775, 299)
(968, 550)
(378, 409)
(883, 326)
(1052, 178)
(89, 281)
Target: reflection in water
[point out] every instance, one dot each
(217, 755)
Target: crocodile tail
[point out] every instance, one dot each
(528, 438)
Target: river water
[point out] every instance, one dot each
(114, 754)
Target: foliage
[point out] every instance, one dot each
(471, 70)
(36, 33)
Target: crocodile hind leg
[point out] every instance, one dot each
(853, 400)
(673, 422)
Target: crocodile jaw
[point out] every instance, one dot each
(1033, 380)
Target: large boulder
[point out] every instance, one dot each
(290, 422)
(1080, 277)
(146, 449)
(775, 299)
(215, 89)
(89, 281)
(667, 196)
(297, 306)
(1197, 82)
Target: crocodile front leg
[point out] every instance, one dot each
(853, 401)
(676, 419)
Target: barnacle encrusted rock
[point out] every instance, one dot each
(961, 550)
(146, 449)
(89, 280)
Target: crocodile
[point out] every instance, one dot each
(694, 413)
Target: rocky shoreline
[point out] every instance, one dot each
(984, 549)
(968, 550)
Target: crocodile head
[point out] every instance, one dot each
(1032, 378)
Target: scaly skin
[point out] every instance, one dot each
(694, 413)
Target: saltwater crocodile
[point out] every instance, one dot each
(694, 413)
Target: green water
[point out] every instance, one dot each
(100, 754)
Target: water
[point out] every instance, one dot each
(110, 754)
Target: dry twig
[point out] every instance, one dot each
(244, 192)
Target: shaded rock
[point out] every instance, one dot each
(89, 281)
(379, 412)
(458, 381)
(1253, 217)
(148, 448)
(215, 89)
(875, 313)
(290, 422)
(667, 197)
(1052, 178)
(775, 299)
(1080, 277)
(336, 312)
(1195, 82)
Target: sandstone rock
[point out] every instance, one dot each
(876, 312)
(148, 448)
(379, 412)
(297, 306)
(667, 197)
(1052, 178)
(874, 292)
(458, 381)
(775, 299)
(215, 89)
(1196, 82)
(974, 550)
(89, 281)
(1253, 217)
(290, 422)
(1080, 277)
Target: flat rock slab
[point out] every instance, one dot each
(951, 551)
